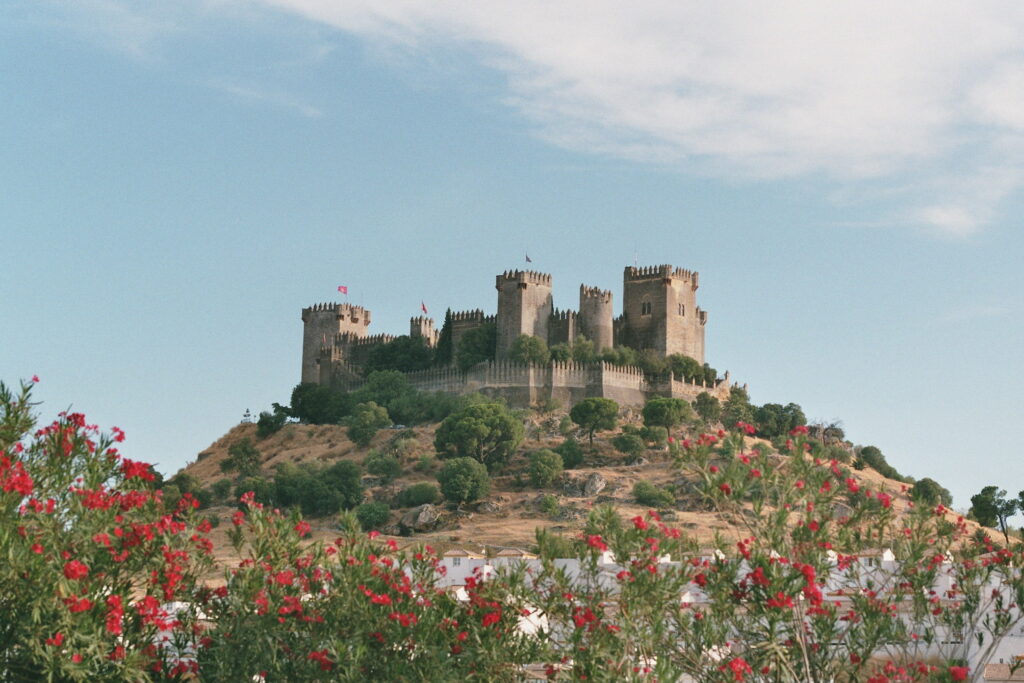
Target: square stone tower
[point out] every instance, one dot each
(321, 324)
(524, 307)
(659, 311)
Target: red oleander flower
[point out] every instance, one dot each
(491, 618)
(75, 570)
(302, 528)
(56, 640)
(596, 541)
(958, 673)
(639, 522)
(739, 668)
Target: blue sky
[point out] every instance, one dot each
(176, 183)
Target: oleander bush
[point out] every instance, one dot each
(102, 580)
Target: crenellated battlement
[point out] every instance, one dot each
(664, 272)
(372, 340)
(602, 295)
(523, 276)
(567, 314)
(476, 315)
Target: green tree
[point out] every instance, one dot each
(346, 479)
(418, 494)
(737, 407)
(684, 367)
(464, 480)
(316, 404)
(486, 432)
(647, 493)
(270, 423)
(477, 345)
(382, 465)
(444, 354)
(584, 351)
(630, 444)
(620, 355)
(373, 515)
(529, 349)
(405, 353)
(545, 467)
(708, 407)
(774, 419)
(366, 421)
(571, 452)
(992, 509)
(930, 492)
(666, 412)
(243, 458)
(594, 414)
(383, 387)
(561, 352)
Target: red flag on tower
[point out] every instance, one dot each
(343, 289)
(424, 307)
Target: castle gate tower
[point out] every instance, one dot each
(321, 324)
(595, 317)
(660, 311)
(524, 307)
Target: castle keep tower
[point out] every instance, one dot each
(660, 311)
(524, 307)
(321, 324)
(422, 326)
(595, 316)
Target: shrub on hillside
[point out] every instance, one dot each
(243, 458)
(655, 436)
(549, 505)
(221, 489)
(571, 452)
(418, 494)
(387, 467)
(464, 480)
(261, 488)
(367, 419)
(630, 444)
(318, 491)
(545, 467)
(270, 423)
(373, 515)
(647, 493)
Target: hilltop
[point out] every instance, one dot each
(508, 516)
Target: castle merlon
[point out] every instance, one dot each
(523, 276)
(603, 295)
(664, 271)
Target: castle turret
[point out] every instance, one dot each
(524, 307)
(660, 311)
(321, 323)
(422, 326)
(595, 316)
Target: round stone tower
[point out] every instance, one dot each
(595, 316)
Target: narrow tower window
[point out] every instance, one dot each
(682, 309)
(645, 308)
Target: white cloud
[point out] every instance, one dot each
(862, 92)
(262, 94)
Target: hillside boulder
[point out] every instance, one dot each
(422, 518)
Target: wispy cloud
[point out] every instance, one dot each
(866, 93)
(269, 96)
(857, 91)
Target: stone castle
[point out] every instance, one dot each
(659, 313)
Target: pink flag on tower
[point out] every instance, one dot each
(343, 289)
(424, 307)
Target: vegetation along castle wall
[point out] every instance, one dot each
(529, 351)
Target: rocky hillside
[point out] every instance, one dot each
(512, 512)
